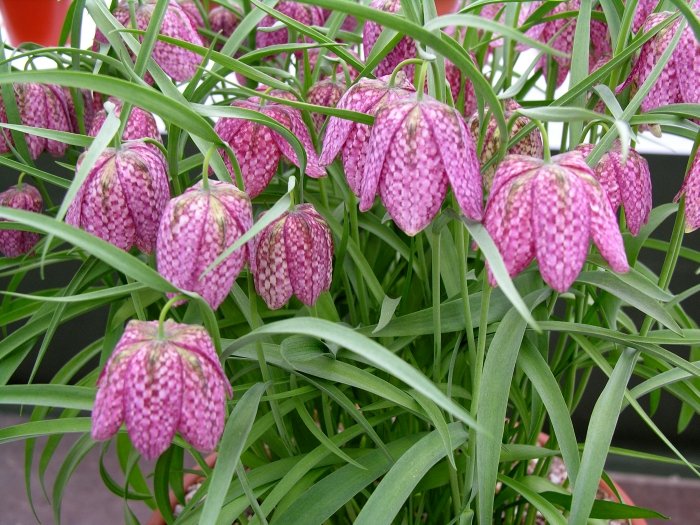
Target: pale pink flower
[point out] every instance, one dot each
(189, 7)
(304, 14)
(40, 106)
(550, 211)
(324, 93)
(14, 243)
(140, 125)
(530, 145)
(419, 147)
(123, 196)
(162, 385)
(406, 48)
(259, 149)
(196, 228)
(691, 190)
(626, 183)
(352, 138)
(293, 256)
(224, 20)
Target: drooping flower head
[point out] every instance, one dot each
(349, 22)
(88, 104)
(417, 149)
(224, 20)
(140, 125)
(530, 145)
(644, 9)
(189, 7)
(179, 63)
(302, 13)
(196, 228)
(40, 106)
(324, 93)
(293, 256)
(352, 138)
(14, 243)
(550, 212)
(600, 44)
(123, 196)
(679, 81)
(626, 182)
(162, 385)
(691, 190)
(406, 47)
(259, 148)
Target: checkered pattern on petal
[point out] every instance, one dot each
(305, 14)
(272, 280)
(405, 48)
(14, 243)
(141, 123)
(691, 190)
(291, 119)
(224, 20)
(325, 93)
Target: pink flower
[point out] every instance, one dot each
(678, 82)
(123, 197)
(349, 22)
(40, 106)
(141, 123)
(195, 229)
(454, 78)
(406, 48)
(189, 7)
(331, 65)
(627, 183)
(224, 20)
(177, 62)
(14, 243)
(324, 93)
(599, 38)
(304, 14)
(259, 148)
(417, 149)
(293, 256)
(691, 190)
(352, 138)
(644, 9)
(551, 211)
(162, 385)
(88, 109)
(530, 145)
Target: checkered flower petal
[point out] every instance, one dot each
(291, 119)
(418, 148)
(224, 20)
(159, 386)
(195, 229)
(691, 190)
(14, 243)
(141, 123)
(305, 14)
(325, 93)
(293, 256)
(189, 7)
(551, 211)
(406, 48)
(123, 197)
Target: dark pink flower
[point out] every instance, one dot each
(304, 14)
(352, 138)
(141, 123)
(416, 150)
(644, 9)
(259, 148)
(123, 197)
(14, 243)
(406, 48)
(679, 80)
(349, 22)
(331, 65)
(454, 78)
(159, 385)
(189, 7)
(293, 256)
(530, 145)
(40, 106)
(196, 228)
(177, 62)
(550, 212)
(691, 190)
(88, 109)
(224, 20)
(625, 182)
(324, 93)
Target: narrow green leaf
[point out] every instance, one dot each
(57, 396)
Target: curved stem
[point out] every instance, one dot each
(400, 66)
(420, 80)
(547, 154)
(205, 167)
(164, 313)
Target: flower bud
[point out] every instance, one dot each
(14, 243)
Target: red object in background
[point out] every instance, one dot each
(38, 21)
(444, 7)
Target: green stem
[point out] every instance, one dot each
(462, 242)
(420, 80)
(547, 154)
(164, 313)
(400, 66)
(437, 329)
(205, 167)
(361, 288)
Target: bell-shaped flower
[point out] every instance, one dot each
(189, 7)
(224, 20)
(305, 14)
(418, 148)
(626, 182)
(325, 93)
(123, 196)
(196, 228)
(679, 81)
(349, 22)
(404, 49)
(14, 243)
(351, 139)
(530, 144)
(550, 211)
(293, 256)
(162, 383)
(177, 62)
(691, 190)
(40, 106)
(88, 104)
(259, 148)
(140, 125)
